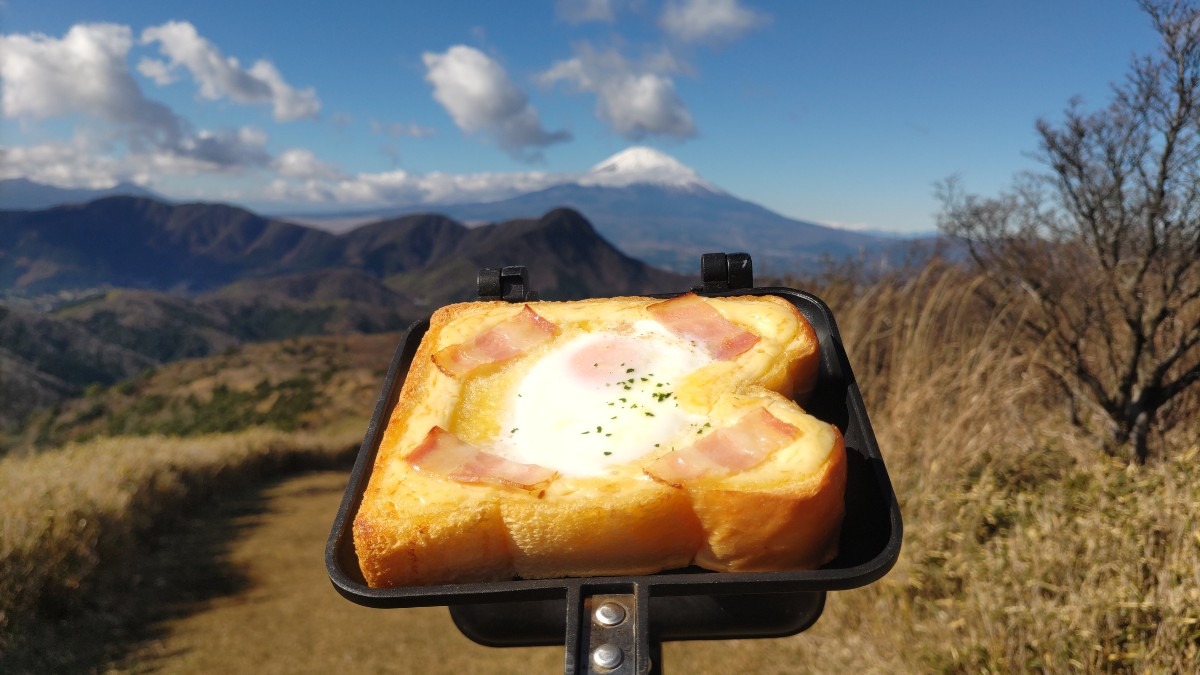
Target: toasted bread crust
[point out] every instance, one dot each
(418, 529)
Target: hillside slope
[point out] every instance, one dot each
(126, 263)
(126, 242)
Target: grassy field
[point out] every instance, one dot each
(1026, 547)
(72, 521)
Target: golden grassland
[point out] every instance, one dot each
(73, 519)
(1026, 547)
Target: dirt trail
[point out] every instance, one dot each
(243, 589)
(279, 614)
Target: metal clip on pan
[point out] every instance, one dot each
(510, 284)
(725, 272)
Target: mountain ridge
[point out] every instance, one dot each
(194, 280)
(25, 194)
(652, 207)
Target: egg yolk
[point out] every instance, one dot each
(599, 400)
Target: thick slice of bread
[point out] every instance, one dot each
(604, 437)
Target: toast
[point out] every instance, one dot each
(614, 436)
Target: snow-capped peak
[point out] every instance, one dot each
(640, 164)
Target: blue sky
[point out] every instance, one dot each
(844, 113)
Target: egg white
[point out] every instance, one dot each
(601, 399)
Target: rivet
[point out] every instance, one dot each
(607, 656)
(610, 614)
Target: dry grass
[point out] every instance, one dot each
(72, 520)
(1026, 548)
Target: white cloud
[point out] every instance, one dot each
(86, 78)
(480, 97)
(443, 187)
(402, 187)
(302, 163)
(299, 176)
(385, 187)
(85, 161)
(84, 73)
(156, 70)
(219, 76)
(73, 163)
(709, 20)
(392, 187)
(227, 149)
(635, 100)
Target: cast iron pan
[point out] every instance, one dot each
(617, 624)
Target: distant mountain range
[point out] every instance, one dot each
(20, 193)
(128, 242)
(646, 203)
(660, 211)
(149, 282)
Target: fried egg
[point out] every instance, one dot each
(601, 399)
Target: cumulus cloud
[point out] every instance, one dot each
(227, 148)
(120, 134)
(219, 76)
(88, 161)
(392, 187)
(438, 187)
(302, 163)
(402, 187)
(709, 20)
(73, 163)
(480, 97)
(636, 100)
(85, 72)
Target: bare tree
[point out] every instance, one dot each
(1106, 244)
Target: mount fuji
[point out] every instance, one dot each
(645, 166)
(656, 209)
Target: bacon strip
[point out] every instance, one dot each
(509, 338)
(689, 316)
(738, 447)
(448, 455)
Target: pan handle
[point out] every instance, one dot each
(608, 632)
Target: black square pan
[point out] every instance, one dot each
(686, 604)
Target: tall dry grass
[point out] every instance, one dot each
(72, 519)
(1026, 547)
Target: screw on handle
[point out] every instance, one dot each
(608, 632)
